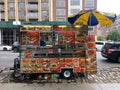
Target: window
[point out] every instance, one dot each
(21, 4)
(22, 13)
(100, 43)
(46, 38)
(60, 19)
(1, 6)
(44, 13)
(2, 15)
(33, 14)
(60, 12)
(60, 4)
(7, 36)
(73, 11)
(11, 4)
(45, 4)
(32, 5)
(11, 13)
(75, 2)
(89, 3)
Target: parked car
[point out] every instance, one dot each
(99, 45)
(5, 47)
(15, 46)
(111, 51)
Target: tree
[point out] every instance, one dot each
(100, 38)
(114, 35)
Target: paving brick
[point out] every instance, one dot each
(107, 75)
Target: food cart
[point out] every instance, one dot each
(63, 50)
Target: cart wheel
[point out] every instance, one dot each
(16, 73)
(27, 76)
(67, 73)
(22, 77)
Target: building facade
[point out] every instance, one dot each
(60, 10)
(37, 10)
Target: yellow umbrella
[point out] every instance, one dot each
(92, 18)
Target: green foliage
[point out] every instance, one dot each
(114, 35)
(100, 38)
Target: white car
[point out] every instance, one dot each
(5, 47)
(99, 45)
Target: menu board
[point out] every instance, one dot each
(30, 38)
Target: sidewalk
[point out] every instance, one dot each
(61, 86)
(104, 79)
(107, 75)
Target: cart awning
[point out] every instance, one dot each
(9, 24)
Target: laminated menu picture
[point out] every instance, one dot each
(91, 68)
(68, 62)
(65, 28)
(90, 45)
(66, 38)
(90, 38)
(80, 39)
(30, 38)
(91, 52)
(27, 53)
(75, 62)
(31, 65)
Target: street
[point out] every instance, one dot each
(104, 63)
(7, 60)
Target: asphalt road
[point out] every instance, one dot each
(104, 63)
(7, 60)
